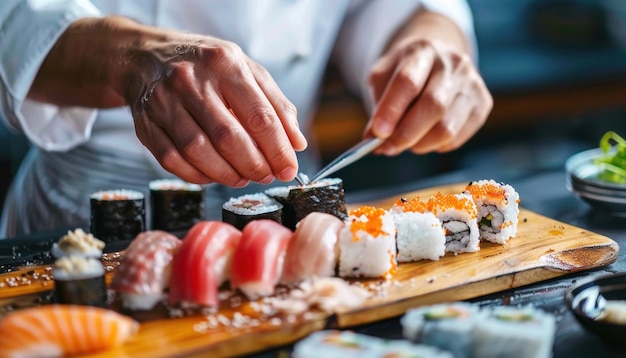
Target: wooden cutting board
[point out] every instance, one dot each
(543, 249)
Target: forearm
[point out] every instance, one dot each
(90, 64)
(433, 27)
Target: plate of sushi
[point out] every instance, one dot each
(284, 264)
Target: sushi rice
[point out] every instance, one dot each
(419, 233)
(458, 214)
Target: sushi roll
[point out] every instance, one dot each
(367, 244)
(447, 326)
(144, 273)
(498, 208)
(419, 233)
(324, 196)
(339, 344)
(79, 280)
(400, 348)
(514, 332)
(203, 263)
(457, 213)
(78, 243)
(241, 210)
(259, 257)
(175, 205)
(63, 330)
(316, 239)
(117, 214)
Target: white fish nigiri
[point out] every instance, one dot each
(313, 250)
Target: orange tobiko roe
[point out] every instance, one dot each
(372, 225)
(446, 201)
(114, 197)
(488, 190)
(416, 205)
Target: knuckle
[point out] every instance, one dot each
(194, 145)
(434, 104)
(261, 119)
(409, 79)
(226, 139)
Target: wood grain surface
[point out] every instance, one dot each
(543, 249)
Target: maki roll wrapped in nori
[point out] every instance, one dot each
(117, 214)
(79, 280)
(175, 205)
(241, 210)
(324, 196)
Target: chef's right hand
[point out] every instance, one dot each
(208, 113)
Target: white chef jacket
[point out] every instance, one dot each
(77, 151)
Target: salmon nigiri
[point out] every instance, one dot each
(59, 330)
(203, 263)
(258, 260)
(144, 272)
(313, 251)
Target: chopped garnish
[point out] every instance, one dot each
(613, 160)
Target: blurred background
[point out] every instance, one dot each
(556, 69)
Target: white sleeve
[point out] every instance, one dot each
(370, 25)
(29, 30)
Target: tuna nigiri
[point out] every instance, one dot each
(144, 272)
(258, 260)
(59, 330)
(315, 239)
(203, 263)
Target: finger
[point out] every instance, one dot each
(286, 111)
(401, 90)
(233, 147)
(449, 132)
(257, 115)
(163, 149)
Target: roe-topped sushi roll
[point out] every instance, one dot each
(419, 232)
(79, 280)
(144, 273)
(367, 244)
(117, 214)
(78, 243)
(175, 205)
(457, 213)
(498, 208)
(324, 196)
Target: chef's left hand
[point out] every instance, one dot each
(429, 97)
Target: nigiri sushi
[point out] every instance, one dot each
(60, 330)
(258, 260)
(203, 263)
(315, 239)
(144, 272)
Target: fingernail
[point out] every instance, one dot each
(268, 179)
(287, 174)
(382, 129)
(241, 183)
(389, 150)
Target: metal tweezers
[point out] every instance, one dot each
(348, 157)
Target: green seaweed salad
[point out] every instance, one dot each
(613, 159)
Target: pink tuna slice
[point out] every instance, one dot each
(313, 250)
(258, 260)
(203, 263)
(144, 272)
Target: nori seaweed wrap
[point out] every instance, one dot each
(117, 215)
(79, 280)
(324, 196)
(241, 210)
(175, 205)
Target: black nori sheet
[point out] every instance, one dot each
(86, 291)
(113, 220)
(239, 221)
(304, 200)
(176, 210)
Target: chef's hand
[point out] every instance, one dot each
(429, 95)
(206, 111)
